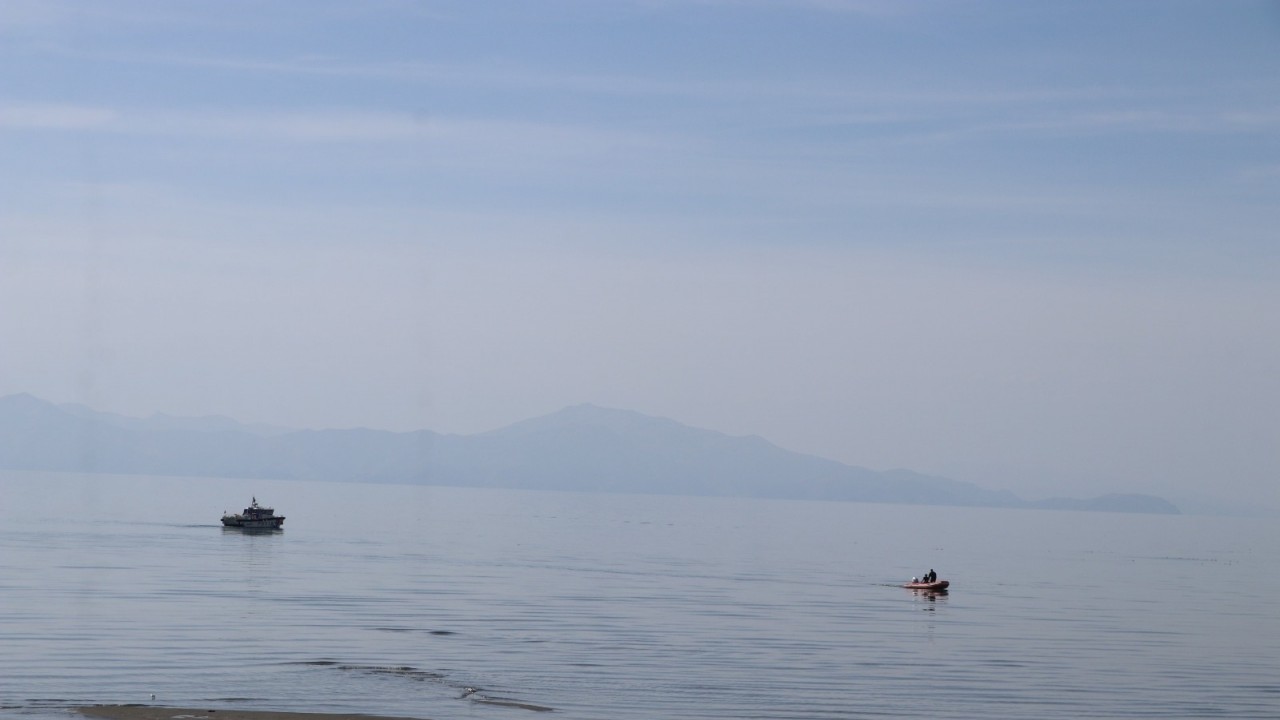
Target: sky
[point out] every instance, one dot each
(1028, 245)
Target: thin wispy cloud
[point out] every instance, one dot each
(909, 114)
(870, 8)
(323, 125)
(24, 116)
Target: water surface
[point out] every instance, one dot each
(453, 603)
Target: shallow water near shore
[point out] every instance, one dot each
(452, 603)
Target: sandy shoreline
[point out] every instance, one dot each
(153, 712)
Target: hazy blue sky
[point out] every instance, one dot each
(1032, 245)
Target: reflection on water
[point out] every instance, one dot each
(227, 530)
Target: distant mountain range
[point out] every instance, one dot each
(580, 448)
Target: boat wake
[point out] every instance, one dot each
(469, 693)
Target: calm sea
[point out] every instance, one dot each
(449, 603)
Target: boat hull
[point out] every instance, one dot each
(936, 586)
(237, 521)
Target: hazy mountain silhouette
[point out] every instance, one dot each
(580, 448)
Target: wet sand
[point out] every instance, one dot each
(153, 712)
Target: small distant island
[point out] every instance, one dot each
(582, 448)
